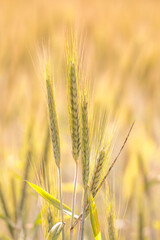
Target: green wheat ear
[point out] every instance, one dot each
(53, 120)
(74, 110)
(96, 175)
(85, 148)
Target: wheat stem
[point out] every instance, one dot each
(60, 196)
(83, 213)
(74, 198)
(6, 212)
(13, 189)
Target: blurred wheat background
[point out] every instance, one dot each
(120, 39)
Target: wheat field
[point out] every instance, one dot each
(79, 119)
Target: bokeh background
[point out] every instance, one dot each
(122, 54)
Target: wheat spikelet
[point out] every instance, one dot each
(53, 121)
(85, 142)
(97, 172)
(74, 110)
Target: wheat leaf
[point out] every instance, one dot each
(52, 200)
(94, 218)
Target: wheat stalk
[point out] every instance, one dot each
(73, 107)
(85, 152)
(55, 136)
(6, 211)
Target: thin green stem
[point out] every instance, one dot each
(60, 196)
(83, 213)
(74, 198)
(79, 231)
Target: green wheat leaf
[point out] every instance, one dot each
(94, 218)
(52, 200)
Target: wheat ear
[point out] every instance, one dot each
(97, 172)
(53, 122)
(106, 175)
(74, 111)
(85, 142)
